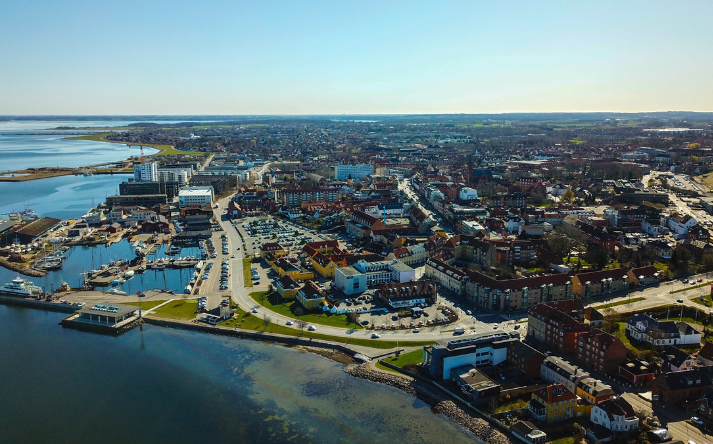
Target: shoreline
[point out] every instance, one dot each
(481, 428)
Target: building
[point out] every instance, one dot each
(559, 371)
(474, 384)
(597, 283)
(679, 387)
(594, 391)
(676, 360)
(310, 296)
(527, 432)
(356, 172)
(615, 414)
(553, 403)
(638, 373)
(146, 172)
(643, 327)
(407, 294)
(287, 266)
(28, 232)
(601, 351)
(103, 315)
(350, 280)
(447, 276)
(178, 175)
(195, 196)
(557, 324)
(525, 360)
(294, 198)
(516, 294)
(480, 350)
(170, 189)
(135, 200)
(704, 404)
(287, 287)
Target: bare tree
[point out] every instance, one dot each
(301, 324)
(266, 320)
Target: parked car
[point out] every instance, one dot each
(697, 421)
(375, 336)
(416, 330)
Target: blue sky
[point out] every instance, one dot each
(302, 57)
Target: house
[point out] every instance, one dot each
(639, 373)
(323, 265)
(593, 317)
(407, 294)
(310, 295)
(601, 351)
(285, 267)
(553, 403)
(678, 387)
(274, 248)
(676, 360)
(705, 355)
(643, 327)
(474, 384)
(643, 276)
(616, 414)
(680, 224)
(559, 371)
(594, 391)
(287, 287)
(527, 432)
(525, 360)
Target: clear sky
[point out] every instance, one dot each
(333, 57)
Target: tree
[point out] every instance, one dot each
(567, 196)
(707, 262)
(681, 258)
(693, 145)
(299, 311)
(353, 318)
(301, 323)
(261, 296)
(597, 256)
(266, 320)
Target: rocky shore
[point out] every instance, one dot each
(479, 427)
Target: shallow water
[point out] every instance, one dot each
(161, 385)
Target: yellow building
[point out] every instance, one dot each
(287, 287)
(323, 265)
(310, 296)
(553, 403)
(287, 268)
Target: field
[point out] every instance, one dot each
(286, 307)
(248, 321)
(404, 360)
(183, 309)
(144, 305)
(247, 275)
(164, 150)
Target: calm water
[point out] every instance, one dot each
(83, 259)
(162, 385)
(64, 197)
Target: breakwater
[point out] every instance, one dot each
(40, 305)
(479, 427)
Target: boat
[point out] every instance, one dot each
(188, 289)
(157, 267)
(141, 268)
(199, 265)
(129, 274)
(115, 282)
(174, 250)
(20, 287)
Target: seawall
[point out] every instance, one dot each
(40, 305)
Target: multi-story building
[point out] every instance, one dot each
(195, 195)
(398, 295)
(559, 371)
(179, 175)
(643, 327)
(170, 189)
(678, 387)
(447, 276)
(557, 324)
(593, 391)
(478, 350)
(525, 360)
(516, 294)
(147, 171)
(310, 296)
(597, 283)
(294, 198)
(356, 172)
(639, 373)
(287, 287)
(134, 200)
(553, 403)
(601, 351)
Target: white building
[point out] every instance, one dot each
(467, 193)
(180, 175)
(680, 224)
(357, 278)
(146, 172)
(349, 280)
(615, 414)
(358, 171)
(195, 195)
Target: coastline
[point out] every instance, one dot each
(439, 403)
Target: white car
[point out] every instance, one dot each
(375, 336)
(289, 323)
(495, 327)
(416, 330)
(254, 310)
(311, 328)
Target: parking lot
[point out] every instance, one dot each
(258, 231)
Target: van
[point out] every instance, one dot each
(458, 331)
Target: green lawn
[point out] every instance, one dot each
(410, 358)
(249, 322)
(178, 309)
(614, 304)
(144, 305)
(703, 300)
(165, 150)
(247, 274)
(287, 307)
(565, 440)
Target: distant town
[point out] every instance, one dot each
(541, 278)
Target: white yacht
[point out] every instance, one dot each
(20, 287)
